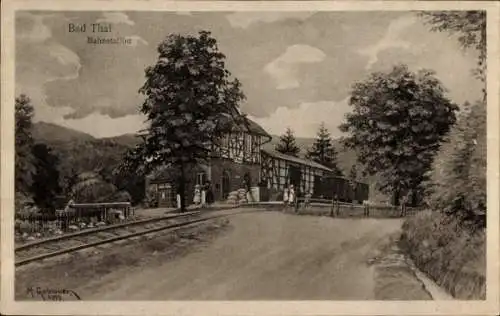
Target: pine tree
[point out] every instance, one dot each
(24, 168)
(323, 152)
(287, 144)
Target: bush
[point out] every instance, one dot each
(452, 255)
(91, 188)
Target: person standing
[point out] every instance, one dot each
(209, 194)
(204, 195)
(178, 201)
(308, 197)
(285, 197)
(197, 195)
(291, 196)
(248, 187)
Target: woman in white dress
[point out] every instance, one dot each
(204, 196)
(197, 195)
(291, 195)
(178, 201)
(285, 196)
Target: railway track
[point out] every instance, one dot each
(53, 247)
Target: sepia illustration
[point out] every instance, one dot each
(250, 156)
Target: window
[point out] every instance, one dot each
(201, 178)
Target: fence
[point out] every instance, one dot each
(339, 209)
(78, 216)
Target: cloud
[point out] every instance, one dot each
(246, 19)
(284, 68)
(115, 18)
(306, 118)
(391, 39)
(40, 61)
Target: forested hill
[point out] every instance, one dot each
(82, 147)
(50, 133)
(80, 152)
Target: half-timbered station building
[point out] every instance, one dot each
(236, 155)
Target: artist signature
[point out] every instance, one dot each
(49, 294)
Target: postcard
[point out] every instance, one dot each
(264, 158)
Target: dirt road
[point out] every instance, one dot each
(265, 256)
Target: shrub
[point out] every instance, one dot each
(91, 188)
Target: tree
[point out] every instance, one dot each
(45, 187)
(323, 152)
(24, 142)
(287, 144)
(191, 100)
(398, 120)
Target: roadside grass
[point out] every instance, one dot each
(452, 256)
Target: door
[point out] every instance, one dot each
(226, 184)
(166, 196)
(295, 174)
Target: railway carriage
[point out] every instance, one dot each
(330, 187)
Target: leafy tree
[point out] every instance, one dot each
(287, 144)
(191, 100)
(45, 186)
(23, 144)
(323, 152)
(132, 183)
(398, 121)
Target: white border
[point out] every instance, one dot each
(10, 307)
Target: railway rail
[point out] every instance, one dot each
(56, 246)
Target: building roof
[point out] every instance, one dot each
(294, 159)
(245, 124)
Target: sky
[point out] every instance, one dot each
(296, 68)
